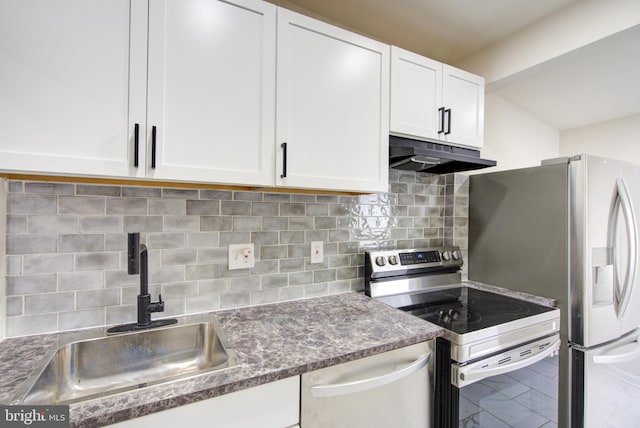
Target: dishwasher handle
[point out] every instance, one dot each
(332, 390)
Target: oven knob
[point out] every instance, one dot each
(446, 255)
(393, 260)
(456, 255)
(380, 261)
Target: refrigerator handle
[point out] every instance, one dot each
(629, 351)
(623, 294)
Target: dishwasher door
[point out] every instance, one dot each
(388, 390)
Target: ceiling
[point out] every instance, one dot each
(591, 86)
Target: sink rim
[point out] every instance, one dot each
(71, 337)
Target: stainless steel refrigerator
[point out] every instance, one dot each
(568, 230)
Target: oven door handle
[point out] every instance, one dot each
(331, 390)
(469, 375)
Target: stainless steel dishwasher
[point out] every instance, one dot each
(392, 389)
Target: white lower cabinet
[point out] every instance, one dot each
(272, 405)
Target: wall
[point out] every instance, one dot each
(514, 138)
(3, 289)
(617, 139)
(66, 245)
(537, 47)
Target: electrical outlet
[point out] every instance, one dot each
(241, 256)
(317, 252)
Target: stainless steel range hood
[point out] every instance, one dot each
(434, 158)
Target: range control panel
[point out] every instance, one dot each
(406, 261)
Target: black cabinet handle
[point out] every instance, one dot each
(153, 147)
(448, 112)
(284, 160)
(136, 143)
(441, 111)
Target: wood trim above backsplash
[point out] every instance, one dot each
(174, 184)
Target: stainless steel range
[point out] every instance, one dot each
(493, 344)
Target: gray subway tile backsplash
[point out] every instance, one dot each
(31, 204)
(51, 224)
(47, 263)
(66, 245)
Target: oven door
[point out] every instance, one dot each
(516, 387)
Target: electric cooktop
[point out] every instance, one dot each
(465, 309)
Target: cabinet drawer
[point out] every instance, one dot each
(273, 405)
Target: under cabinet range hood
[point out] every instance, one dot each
(434, 158)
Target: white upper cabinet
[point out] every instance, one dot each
(463, 100)
(434, 101)
(185, 90)
(80, 88)
(332, 107)
(211, 100)
(416, 94)
(64, 86)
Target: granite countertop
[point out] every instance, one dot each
(271, 342)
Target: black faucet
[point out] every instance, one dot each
(138, 262)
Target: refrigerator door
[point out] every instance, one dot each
(604, 203)
(609, 375)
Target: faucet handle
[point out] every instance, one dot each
(156, 306)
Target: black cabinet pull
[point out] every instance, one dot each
(153, 147)
(284, 160)
(448, 112)
(441, 111)
(136, 143)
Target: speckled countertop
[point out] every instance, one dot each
(271, 342)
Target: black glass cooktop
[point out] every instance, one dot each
(463, 309)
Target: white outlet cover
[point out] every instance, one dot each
(317, 251)
(241, 256)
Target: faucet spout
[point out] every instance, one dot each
(144, 269)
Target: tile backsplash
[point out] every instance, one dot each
(66, 245)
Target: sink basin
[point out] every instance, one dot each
(94, 367)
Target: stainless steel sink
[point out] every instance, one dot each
(106, 365)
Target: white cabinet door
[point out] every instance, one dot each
(273, 405)
(64, 85)
(463, 96)
(416, 94)
(434, 101)
(332, 107)
(211, 101)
